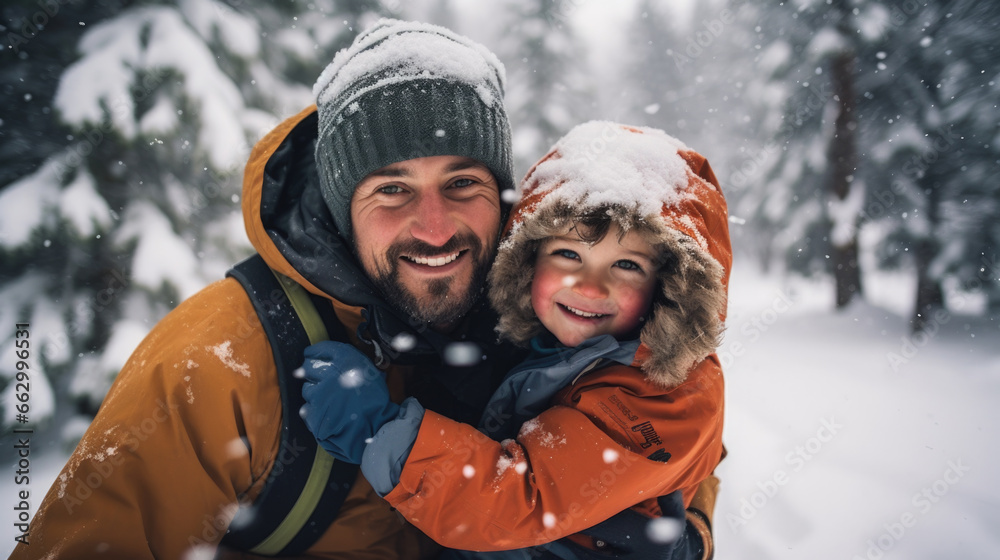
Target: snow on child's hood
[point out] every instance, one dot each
(418, 51)
(645, 171)
(602, 163)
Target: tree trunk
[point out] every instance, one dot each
(930, 296)
(846, 272)
(843, 159)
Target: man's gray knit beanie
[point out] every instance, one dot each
(406, 90)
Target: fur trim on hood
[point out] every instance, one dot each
(650, 182)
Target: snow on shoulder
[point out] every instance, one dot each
(224, 352)
(398, 51)
(601, 163)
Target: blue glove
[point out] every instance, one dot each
(347, 400)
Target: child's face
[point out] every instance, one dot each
(581, 290)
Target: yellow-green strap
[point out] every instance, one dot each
(302, 509)
(322, 462)
(304, 308)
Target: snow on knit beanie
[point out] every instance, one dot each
(406, 90)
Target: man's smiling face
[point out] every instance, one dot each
(426, 231)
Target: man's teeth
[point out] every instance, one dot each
(436, 261)
(582, 313)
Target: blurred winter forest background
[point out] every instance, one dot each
(851, 137)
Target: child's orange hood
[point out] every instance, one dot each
(648, 179)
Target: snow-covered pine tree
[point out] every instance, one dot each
(333, 24)
(30, 65)
(547, 89)
(738, 131)
(809, 201)
(780, 202)
(687, 73)
(842, 151)
(936, 146)
(658, 71)
(140, 208)
(717, 82)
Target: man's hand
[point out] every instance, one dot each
(347, 400)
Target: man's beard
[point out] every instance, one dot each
(442, 303)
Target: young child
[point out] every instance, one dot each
(614, 268)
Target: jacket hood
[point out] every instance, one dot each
(291, 227)
(646, 180)
(286, 219)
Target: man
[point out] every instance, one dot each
(411, 115)
(384, 204)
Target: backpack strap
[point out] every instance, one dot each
(306, 487)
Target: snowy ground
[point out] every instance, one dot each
(847, 437)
